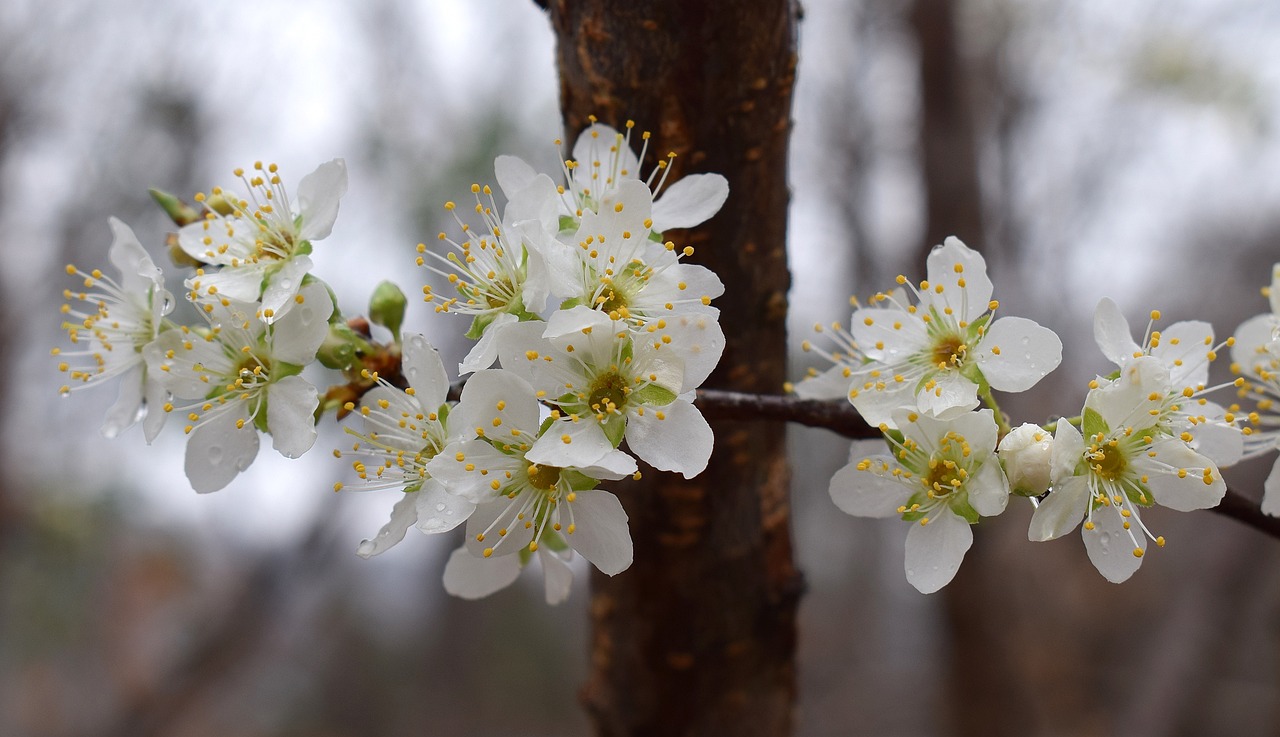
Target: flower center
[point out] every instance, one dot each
(608, 393)
(1108, 462)
(944, 477)
(949, 351)
(543, 477)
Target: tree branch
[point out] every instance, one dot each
(841, 418)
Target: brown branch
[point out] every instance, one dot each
(841, 418)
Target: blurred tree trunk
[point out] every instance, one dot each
(948, 147)
(698, 636)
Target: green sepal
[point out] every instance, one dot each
(178, 211)
(280, 369)
(920, 498)
(1140, 495)
(652, 395)
(302, 249)
(546, 425)
(525, 555)
(386, 307)
(569, 304)
(568, 223)
(260, 418)
(614, 429)
(577, 480)
(341, 346)
(1092, 424)
(553, 540)
(478, 325)
(442, 414)
(655, 236)
(966, 510)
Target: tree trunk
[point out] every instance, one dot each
(698, 636)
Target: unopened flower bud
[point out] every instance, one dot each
(386, 307)
(1026, 455)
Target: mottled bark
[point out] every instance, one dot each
(698, 636)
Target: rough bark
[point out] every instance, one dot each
(698, 636)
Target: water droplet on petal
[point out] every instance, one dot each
(440, 507)
(214, 453)
(1104, 541)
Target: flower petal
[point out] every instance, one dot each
(874, 492)
(1184, 349)
(469, 577)
(282, 288)
(421, 365)
(318, 195)
(1271, 491)
(485, 351)
(217, 451)
(1111, 547)
(968, 302)
(935, 551)
(438, 510)
(1027, 352)
(557, 576)
(291, 406)
(988, 489)
(403, 515)
(513, 174)
(1060, 512)
(1176, 476)
(690, 201)
(1112, 334)
(297, 336)
(672, 438)
(600, 531)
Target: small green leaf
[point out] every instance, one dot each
(614, 429)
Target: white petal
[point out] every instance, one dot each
(935, 551)
(1061, 511)
(988, 489)
(575, 320)
(877, 406)
(217, 451)
(421, 365)
(613, 466)
(138, 272)
(1068, 449)
(1111, 332)
(403, 515)
(681, 442)
(485, 351)
(600, 531)
(449, 468)
(438, 510)
(969, 302)
(1271, 491)
(571, 444)
(1028, 351)
(128, 406)
(1110, 546)
(469, 577)
(297, 336)
(282, 287)
(871, 493)
(690, 201)
(318, 195)
(495, 394)
(1184, 349)
(1127, 401)
(513, 174)
(1183, 494)
(490, 519)
(1252, 338)
(834, 383)
(155, 397)
(951, 396)
(291, 406)
(557, 576)
(240, 283)
(901, 333)
(699, 341)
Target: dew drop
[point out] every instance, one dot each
(440, 507)
(287, 285)
(215, 454)
(1104, 541)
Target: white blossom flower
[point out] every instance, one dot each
(1026, 454)
(244, 375)
(603, 161)
(935, 355)
(499, 273)
(607, 383)
(941, 476)
(1121, 464)
(617, 269)
(118, 320)
(262, 242)
(524, 506)
(403, 430)
(846, 357)
(1254, 357)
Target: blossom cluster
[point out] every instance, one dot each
(591, 328)
(1147, 434)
